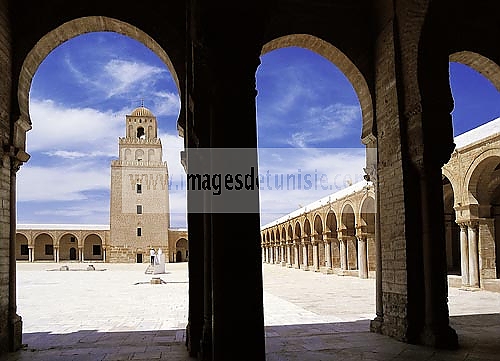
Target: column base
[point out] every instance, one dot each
(376, 324)
(443, 337)
(289, 265)
(469, 288)
(15, 333)
(305, 268)
(327, 271)
(283, 264)
(296, 266)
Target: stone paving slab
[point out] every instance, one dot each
(117, 314)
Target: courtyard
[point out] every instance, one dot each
(115, 313)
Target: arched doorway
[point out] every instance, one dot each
(181, 250)
(92, 247)
(348, 244)
(44, 248)
(452, 229)
(22, 250)
(68, 243)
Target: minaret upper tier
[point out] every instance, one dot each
(141, 145)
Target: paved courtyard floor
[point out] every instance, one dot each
(115, 313)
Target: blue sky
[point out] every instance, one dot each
(309, 122)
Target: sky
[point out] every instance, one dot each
(308, 115)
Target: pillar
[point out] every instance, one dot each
(328, 253)
(263, 253)
(464, 255)
(362, 257)
(289, 254)
(473, 254)
(315, 255)
(305, 258)
(343, 253)
(56, 254)
(30, 254)
(104, 255)
(296, 246)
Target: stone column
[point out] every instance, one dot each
(104, 255)
(315, 255)
(296, 246)
(328, 253)
(56, 254)
(80, 254)
(30, 254)
(343, 253)
(305, 258)
(362, 257)
(464, 255)
(289, 254)
(473, 255)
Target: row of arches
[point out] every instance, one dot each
(471, 194)
(338, 238)
(67, 247)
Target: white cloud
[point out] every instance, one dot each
(124, 75)
(61, 183)
(59, 128)
(166, 103)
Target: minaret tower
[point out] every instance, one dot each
(139, 209)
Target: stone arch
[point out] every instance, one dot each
(68, 245)
(474, 177)
(181, 250)
(318, 224)
(298, 230)
(339, 59)
(128, 154)
(151, 155)
(139, 155)
(70, 30)
(283, 234)
(22, 252)
(43, 247)
(483, 65)
(367, 211)
(92, 247)
(348, 219)
(348, 229)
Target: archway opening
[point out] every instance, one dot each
(313, 108)
(76, 87)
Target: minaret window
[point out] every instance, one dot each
(139, 231)
(139, 209)
(140, 133)
(138, 188)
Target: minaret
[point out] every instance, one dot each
(139, 209)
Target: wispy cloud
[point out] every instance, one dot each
(324, 124)
(124, 75)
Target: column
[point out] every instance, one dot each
(104, 255)
(305, 258)
(296, 246)
(343, 253)
(473, 255)
(80, 254)
(55, 253)
(289, 254)
(464, 255)
(263, 253)
(328, 253)
(30, 254)
(362, 257)
(315, 255)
